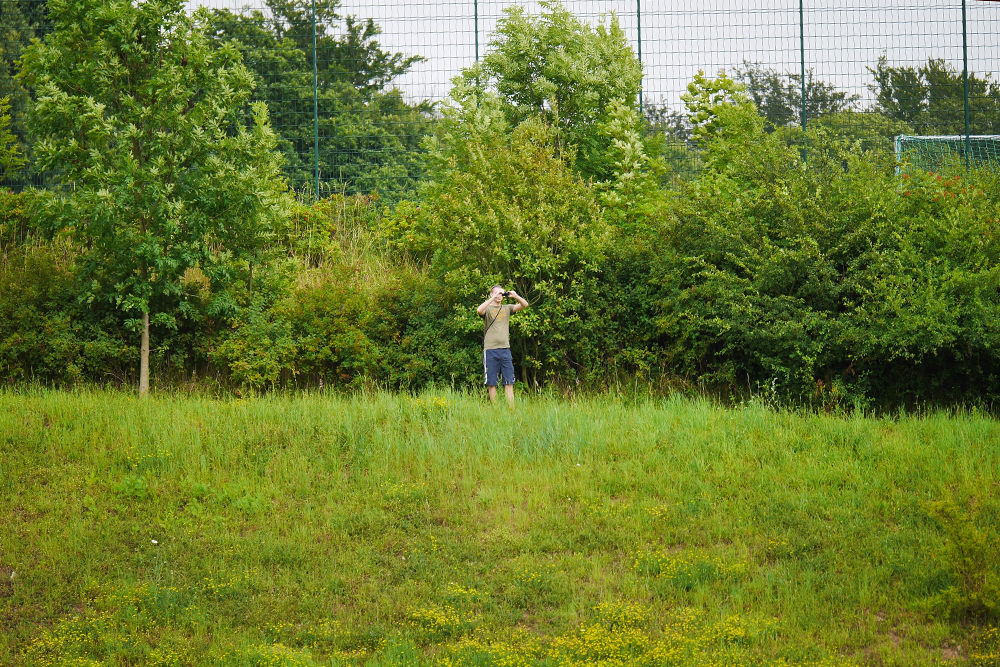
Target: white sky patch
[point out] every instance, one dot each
(680, 37)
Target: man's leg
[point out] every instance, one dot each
(507, 374)
(491, 368)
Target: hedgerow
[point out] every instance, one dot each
(810, 267)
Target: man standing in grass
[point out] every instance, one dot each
(496, 341)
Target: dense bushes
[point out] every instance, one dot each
(833, 283)
(806, 266)
(837, 281)
(506, 208)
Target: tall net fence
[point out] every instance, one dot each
(353, 107)
(955, 151)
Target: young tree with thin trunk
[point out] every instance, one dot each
(164, 164)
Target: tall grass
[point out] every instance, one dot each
(394, 529)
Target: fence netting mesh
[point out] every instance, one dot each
(942, 153)
(875, 71)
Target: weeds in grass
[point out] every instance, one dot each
(985, 650)
(438, 624)
(973, 558)
(387, 530)
(687, 569)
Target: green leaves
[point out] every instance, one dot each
(843, 275)
(10, 154)
(706, 98)
(506, 208)
(566, 71)
(164, 168)
(369, 136)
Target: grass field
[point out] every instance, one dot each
(398, 530)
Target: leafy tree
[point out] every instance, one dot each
(707, 99)
(369, 136)
(633, 197)
(931, 98)
(678, 147)
(566, 71)
(667, 120)
(505, 206)
(358, 57)
(354, 56)
(10, 155)
(148, 126)
(20, 22)
(779, 97)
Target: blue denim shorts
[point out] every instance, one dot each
(498, 362)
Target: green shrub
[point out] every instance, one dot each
(423, 334)
(45, 334)
(924, 322)
(838, 282)
(260, 351)
(749, 279)
(16, 225)
(972, 555)
(328, 228)
(558, 68)
(507, 208)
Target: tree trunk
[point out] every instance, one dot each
(144, 357)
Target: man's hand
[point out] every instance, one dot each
(521, 302)
(481, 310)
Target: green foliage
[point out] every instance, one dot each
(21, 21)
(17, 228)
(423, 334)
(931, 98)
(433, 529)
(840, 279)
(10, 156)
(876, 132)
(973, 556)
(779, 98)
(706, 99)
(928, 294)
(260, 350)
(507, 209)
(562, 69)
(670, 127)
(633, 197)
(45, 332)
(369, 136)
(148, 204)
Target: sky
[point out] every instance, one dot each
(679, 37)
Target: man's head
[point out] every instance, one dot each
(496, 293)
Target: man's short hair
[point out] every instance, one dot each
(494, 287)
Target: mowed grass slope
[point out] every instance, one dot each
(390, 529)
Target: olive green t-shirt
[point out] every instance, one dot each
(497, 323)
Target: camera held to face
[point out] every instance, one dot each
(505, 294)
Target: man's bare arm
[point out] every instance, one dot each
(482, 307)
(521, 302)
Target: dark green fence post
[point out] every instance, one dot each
(315, 105)
(638, 30)
(965, 84)
(802, 73)
(475, 10)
